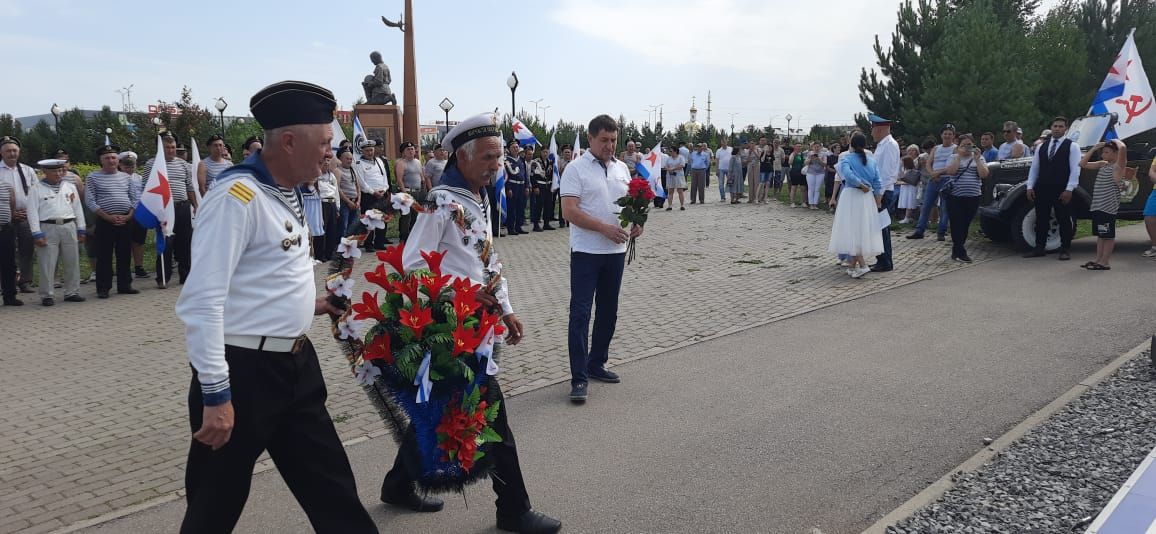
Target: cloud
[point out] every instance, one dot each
(766, 39)
(10, 8)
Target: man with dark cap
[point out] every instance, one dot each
(21, 177)
(516, 181)
(476, 157)
(211, 167)
(373, 178)
(182, 182)
(541, 194)
(257, 384)
(57, 223)
(250, 146)
(8, 245)
(112, 198)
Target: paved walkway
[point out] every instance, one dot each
(826, 420)
(94, 394)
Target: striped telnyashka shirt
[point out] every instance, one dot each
(181, 177)
(113, 194)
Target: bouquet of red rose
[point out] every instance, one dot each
(635, 208)
(424, 353)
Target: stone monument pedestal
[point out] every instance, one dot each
(381, 122)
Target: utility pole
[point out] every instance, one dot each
(733, 124)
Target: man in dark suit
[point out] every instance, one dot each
(1055, 173)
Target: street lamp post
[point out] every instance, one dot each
(536, 102)
(512, 83)
(221, 105)
(157, 125)
(56, 120)
(446, 106)
(544, 108)
(788, 117)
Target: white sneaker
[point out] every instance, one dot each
(1150, 253)
(860, 272)
(904, 221)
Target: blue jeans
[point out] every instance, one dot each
(595, 279)
(722, 182)
(348, 215)
(930, 198)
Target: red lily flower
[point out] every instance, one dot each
(407, 287)
(379, 349)
(416, 319)
(368, 308)
(464, 285)
(392, 256)
(465, 304)
(466, 340)
(379, 277)
(434, 260)
(435, 284)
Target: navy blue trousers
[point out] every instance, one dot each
(884, 260)
(595, 279)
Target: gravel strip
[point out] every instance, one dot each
(1063, 471)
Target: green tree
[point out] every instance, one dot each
(899, 82)
(1020, 11)
(960, 85)
(1060, 60)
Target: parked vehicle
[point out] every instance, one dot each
(1009, 215)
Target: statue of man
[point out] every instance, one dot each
(376, 85)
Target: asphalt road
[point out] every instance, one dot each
(827, 420)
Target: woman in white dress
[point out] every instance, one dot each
(909, 191)
(856, 231)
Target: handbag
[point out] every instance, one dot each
(949, 184)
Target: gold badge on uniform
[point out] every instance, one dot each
(288, 226)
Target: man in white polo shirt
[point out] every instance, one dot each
(590, 186)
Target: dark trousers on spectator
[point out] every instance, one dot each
(698, 179)
(659, 202)
(405, 222)
(509, 486)
(178, 246)
(332, 221)
(8, 261)
(375, 239)
(883, 261)
(961, 211)
(542, 205)
(595, 281)
(516, 207)
(25, 251)
(1047, 200)
(279, 406)
(113, 240)
(495, 214)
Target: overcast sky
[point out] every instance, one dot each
(760, 59)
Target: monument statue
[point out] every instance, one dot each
(376, 85)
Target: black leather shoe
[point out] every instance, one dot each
(548, 227)
(13, 301)
(415, 502)
(536, 228)
(74, 298)
(128, 291)
(880, 269)
(578, 392)
(940, 238)
(1064, 256)
(531, 522)
(603, 375)
(140, 273)
(102, 294)
(1036, 253)
(916, 235)
(47, 301)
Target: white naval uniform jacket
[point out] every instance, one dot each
(252, 275)
(457, 223)
(44, 204)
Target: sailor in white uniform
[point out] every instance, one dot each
(249, 300)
